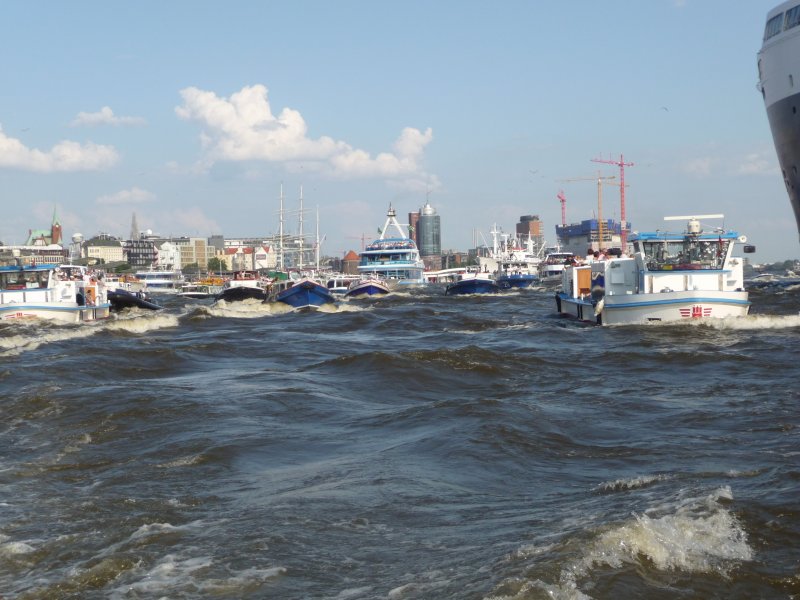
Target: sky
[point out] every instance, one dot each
(194, 114)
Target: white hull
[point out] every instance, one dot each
(648, 308)
(62, 314)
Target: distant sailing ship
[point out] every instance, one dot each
(778, 64)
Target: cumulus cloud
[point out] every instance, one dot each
(105, 116)
(63, 157)
(134, 195)
(700, 167)
(243, 127)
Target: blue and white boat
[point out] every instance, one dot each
(67, 293)
(516, 280)
(371, 286)
(393, 258)
(671, 277)
(514, 264)
(303, 294)
(472, 283)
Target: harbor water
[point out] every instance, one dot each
(415, 446)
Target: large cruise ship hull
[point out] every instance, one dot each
(784, 121)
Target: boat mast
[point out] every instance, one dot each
(301, 240)
(280, 234)
(317, 243)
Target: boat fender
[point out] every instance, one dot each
(598, 308)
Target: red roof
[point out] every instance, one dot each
(350, 256)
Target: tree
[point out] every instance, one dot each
(215, 265)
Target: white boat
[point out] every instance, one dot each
(393, 258)
(552, 267)
(671, 277)
(778, 66)
(513, 264)
(67, 293)
(340, 282)
(166, 281)
(198, 291)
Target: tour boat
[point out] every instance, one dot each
(393, 257)
(671, 277)
(472, 283)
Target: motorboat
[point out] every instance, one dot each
(472, 283)
(244, 285)
(340, 283)
(302, 294)
(670, 277)
(120, 299)
(64, 293)
(371, 286)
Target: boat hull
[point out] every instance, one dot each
(507, 282)
(122, 299)
(367, 288)
(472, 286)
(634, 309)
(305, 295)
(785, 126)
(241, 293)
(61, 314)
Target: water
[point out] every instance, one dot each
(417, 446)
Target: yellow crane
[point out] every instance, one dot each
(601, 234)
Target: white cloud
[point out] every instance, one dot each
(756, 164)
(64, 156)
(243, 127)
(700, 167)
(105, 116)
(134, 195)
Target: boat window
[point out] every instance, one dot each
(792, 17)
(774, 26)
(686, 254)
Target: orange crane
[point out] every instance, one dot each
(362, 237)
(563, 200)
(624, 225)
(601, 234)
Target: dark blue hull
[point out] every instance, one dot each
(472, 286)
(367, 289)
(305, 295)
(507, 282)
(122, 299)
(238, 294)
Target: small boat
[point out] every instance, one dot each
(552, 267)
(199, 291)
(302, 294)
(472, 283)
(367, 287)
(244, 285)
(120, 299)
(671, 277)
(339, 284)
(66, 293)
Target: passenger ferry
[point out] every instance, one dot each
(167, 281)
(671, 277)
(393, 258)
(779, 84)
(66, 293)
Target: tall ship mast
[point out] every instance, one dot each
(779, 84)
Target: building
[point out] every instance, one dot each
(140, 253)
(530, 226)
(579, 237)
(45, 237)
(427, 233)
(102, 249)
(350, 263)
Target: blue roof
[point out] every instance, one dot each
(660, 236)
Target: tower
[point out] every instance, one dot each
(134, 228)
(55, 229)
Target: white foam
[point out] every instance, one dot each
(697, 535)
(751, 322)
(631, 484)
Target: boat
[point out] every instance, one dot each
(67, 294)
(340, 283)
(472, 283)
(670, 277)
(197, 290)
(778, 64)
(165, 281)
(552, 267)
(514, 265)
(371, 286)
(393, 258)
(120, 299)
(244, 285)
(302, 295)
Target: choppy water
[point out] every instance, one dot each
(418, 446)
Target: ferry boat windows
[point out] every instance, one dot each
(792, 18)
(687, 254)
(774, 26)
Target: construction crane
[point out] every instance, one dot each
(621, 164)
(563, 200)
(600, 225)
(362, 237)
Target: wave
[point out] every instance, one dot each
(698, 536)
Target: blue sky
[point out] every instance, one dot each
(192, 114)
